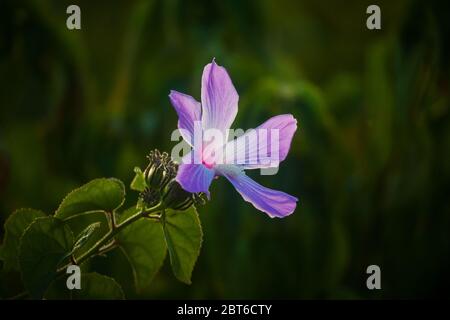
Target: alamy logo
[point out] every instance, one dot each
(74, 20)
(374, 20)
(74, 280)
(374, 280)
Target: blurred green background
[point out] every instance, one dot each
(370, 161)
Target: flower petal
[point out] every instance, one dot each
(219, 99)
(195, 177)
(274, 203)
(189, 112)
(263, 147)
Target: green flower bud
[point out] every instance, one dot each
(200, 198)
(161, 185)
(160, 170)
(175, 197)
(150, 197)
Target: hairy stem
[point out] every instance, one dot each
(103, 246)
(112, 232)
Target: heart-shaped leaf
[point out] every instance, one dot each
(15, 226)
(94, 286)
(42, 247)
(105, 194)
(183, 234)
(143, 244)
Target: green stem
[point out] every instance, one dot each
(115, 229)
(112, 232)
(111, 216)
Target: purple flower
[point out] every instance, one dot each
(217, 111)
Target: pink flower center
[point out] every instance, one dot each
(208, 165)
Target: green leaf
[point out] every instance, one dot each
(138, 182)
(80, 222)
(143, 244)
(85, 234)
(183, 234)
(43, 245)
(94, 286)
(97, 195)
(14, 228)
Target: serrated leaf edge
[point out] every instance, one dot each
(189, 282)
(20, 243)
(122, 185)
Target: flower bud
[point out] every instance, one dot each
(160, 170)
(161, 185)
(175, 197)
(150, 197)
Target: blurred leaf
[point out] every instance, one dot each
(45, 242)
(143, 244)
(379, 102)
(99, 194)
(14, 229)
(93, 286)
(138, 182)
(183, 234)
